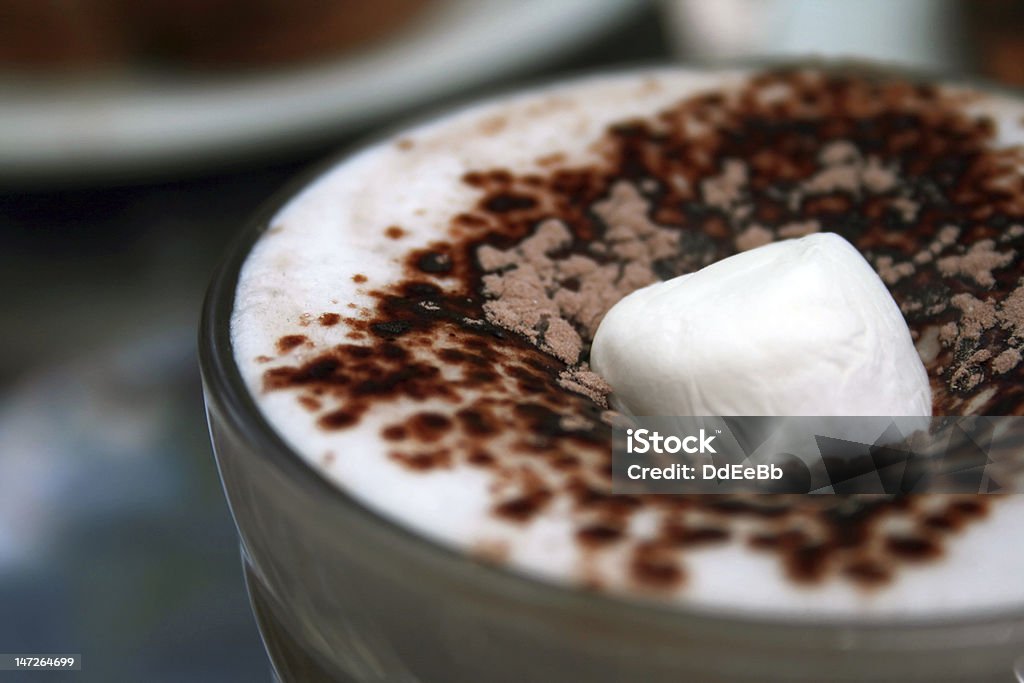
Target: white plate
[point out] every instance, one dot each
(129, 123)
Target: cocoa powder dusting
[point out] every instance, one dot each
(491, 325)
(977, 263)
(329, 319)
(289, 342)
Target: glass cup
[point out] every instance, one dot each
(341, 593)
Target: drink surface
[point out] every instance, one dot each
(416, 324)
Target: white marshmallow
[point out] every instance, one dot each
(798, 327)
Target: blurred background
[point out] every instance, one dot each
(136, 138)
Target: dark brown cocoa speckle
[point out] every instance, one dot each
(339, 419)
(395, 433)
(808, 563)
(434, 262)
(428, 427)
(310, 403)
(481, 458)
(505, 203)
(523, 508)
(681, 535)
(598, 534)
(785, 541)
(652, 568)
(329, 319)
(478, 422)
(867, 573)
(290, 342)
(391, 328)
(913, 549)
(423, 460)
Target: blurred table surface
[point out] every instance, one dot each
(115, 541)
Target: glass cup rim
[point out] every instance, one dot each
(224, 386)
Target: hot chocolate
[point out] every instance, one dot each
(417, 323)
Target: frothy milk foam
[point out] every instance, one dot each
(328, 248)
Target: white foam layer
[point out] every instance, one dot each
(334, 229)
